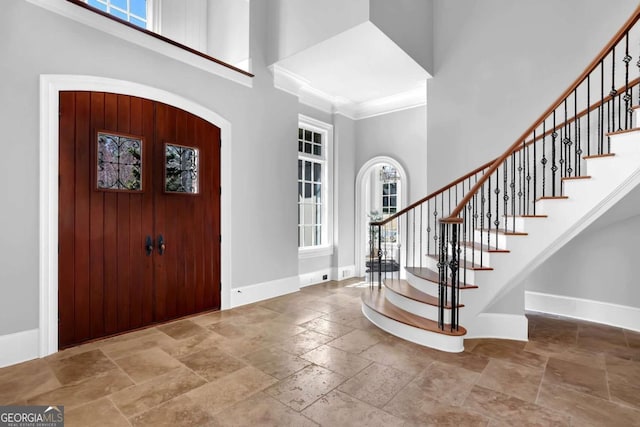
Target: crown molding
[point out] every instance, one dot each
(300, 87)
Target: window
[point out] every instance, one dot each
(135, 11)
(389, 178)
(119, 162)
(314, 187)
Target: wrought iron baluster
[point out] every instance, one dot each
(505, 196)
(420, 255)
(413, 237)
(482, 201)
(428, 226)
(528, 164)
(520, 178)
(627, 96)
(613, 92)
(576, 124)
(601, 111)
(588, 115)
(442, 274)
(535, 181)
(379, 257)
(554, 167)
(489, 212)
(544, 157)
(496, 220)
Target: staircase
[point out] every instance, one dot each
(472, 242)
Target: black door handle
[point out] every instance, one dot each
(161, 245)
(148, 245)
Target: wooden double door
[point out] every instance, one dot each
(139, 215)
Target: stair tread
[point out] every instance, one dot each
(466, 264)
(527, 216)
(433, 276)
(599, 156)
(570, 178)
(502, 232)
(375, 300)
(623, 131)
(404, 288)
(484, 248)
(553, 198)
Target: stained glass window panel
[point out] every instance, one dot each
(119, 162)
(181, 169)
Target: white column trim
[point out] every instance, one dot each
(50, 86)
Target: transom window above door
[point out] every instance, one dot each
(135, 11)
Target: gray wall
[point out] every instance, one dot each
(409, 23)
(498, 64)
(401, 135)
(601, 263)
(263, 155)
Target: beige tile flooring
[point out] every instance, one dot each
(311, 358)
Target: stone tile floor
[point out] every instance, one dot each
(311, 358)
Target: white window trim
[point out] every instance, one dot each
(106, 25)
(329, 190)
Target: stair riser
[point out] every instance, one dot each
(493, 239)
(415, 307)
(475, 256)
(466, 275)
(625, 143)
(431, 288)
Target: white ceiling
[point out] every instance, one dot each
(357, 66)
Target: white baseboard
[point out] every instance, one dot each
(499, 325)
(621, 316)
(262, 291)
(315, 277)
(19, 347)
(335, 273)
(345, 272)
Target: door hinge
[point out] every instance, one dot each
(221, 191)
(221, 238)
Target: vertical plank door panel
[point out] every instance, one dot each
(83, 138)
(96, 234)
(66, 220)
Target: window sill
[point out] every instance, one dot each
(316, 251)
(145, 39)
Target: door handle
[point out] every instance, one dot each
(148, 245)
(161, 245)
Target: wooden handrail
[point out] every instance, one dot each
(159, 37)
(453, 217)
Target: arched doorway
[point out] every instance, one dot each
(381, 191)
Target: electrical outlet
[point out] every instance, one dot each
(325, 277)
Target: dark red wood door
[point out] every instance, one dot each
(108, 281)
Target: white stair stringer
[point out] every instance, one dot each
(448, 343)
(611, 179)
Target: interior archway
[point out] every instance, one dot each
(374, 178)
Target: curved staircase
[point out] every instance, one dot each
(471, 243)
